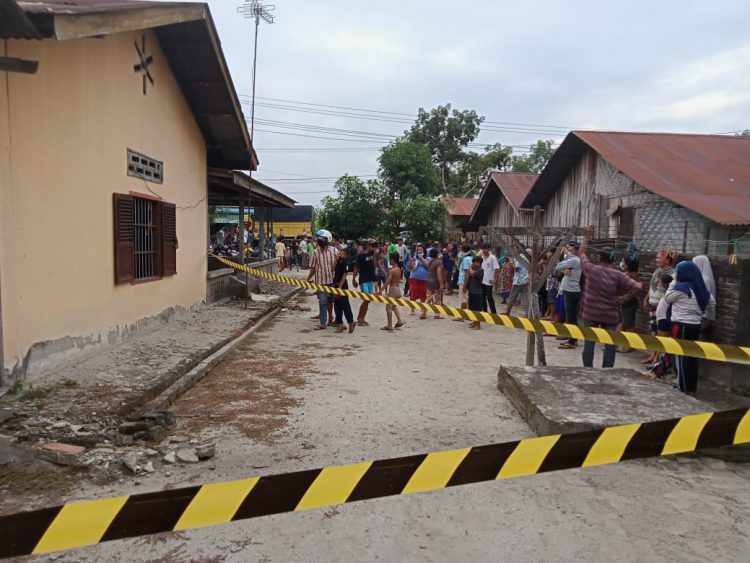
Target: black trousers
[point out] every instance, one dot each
(572, 300)
(343, 308)
(686, 366)
(488, 299)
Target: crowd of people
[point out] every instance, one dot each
(606, 293)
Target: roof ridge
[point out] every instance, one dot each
(661, 133)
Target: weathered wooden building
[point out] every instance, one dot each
(682, 191)
(501, 202)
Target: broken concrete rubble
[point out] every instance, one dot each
(61, 454)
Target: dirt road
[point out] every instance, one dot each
(294, 399)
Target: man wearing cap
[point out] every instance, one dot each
(322, 265)
(570, 286)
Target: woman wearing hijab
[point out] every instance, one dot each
(707, 273)
(690, 301)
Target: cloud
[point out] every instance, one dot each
(708, 94)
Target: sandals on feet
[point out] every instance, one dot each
(398, 325)
(387, 329)
(567, 346)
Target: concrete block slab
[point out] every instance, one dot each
(61, 454)
(556, 400)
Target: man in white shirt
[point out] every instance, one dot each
(491, 270)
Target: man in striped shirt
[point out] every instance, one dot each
(322, 266)
(606, 289)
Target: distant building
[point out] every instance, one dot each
(458, 212)
(500, 203)
(681, 191)
(112, 113)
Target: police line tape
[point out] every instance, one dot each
(674, 346)
(79, 524)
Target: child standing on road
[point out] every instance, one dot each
(341, 302)
(473, 288)
(393, 290)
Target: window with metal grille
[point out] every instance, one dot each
(145, 239)
(142, 166)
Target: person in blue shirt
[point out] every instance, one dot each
(466, 256)
(520, 285)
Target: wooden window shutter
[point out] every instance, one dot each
(124, 237)
(169, 238)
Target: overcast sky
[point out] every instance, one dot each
(554, 65)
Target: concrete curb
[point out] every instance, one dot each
(169, 395)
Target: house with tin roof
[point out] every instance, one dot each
(458, 211)
(119, 124)
(687, 192)
(501, 202)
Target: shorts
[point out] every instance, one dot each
(652, 318)
(551, 296)
(476, 301)
(663, 325)
(367, 287)
(417, 290)
(394, 292)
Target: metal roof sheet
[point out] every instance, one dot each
(709, 174)
(459, 205)
(513, 186)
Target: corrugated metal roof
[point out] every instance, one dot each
(514, 186)
(709, 174)
(190, 42)
(459, 205)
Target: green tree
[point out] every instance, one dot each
(425, 218)
(406, 173)
(745, 133)
(472, 174)
(406, 170)
(537, 158)
(355, 211)
(447, 132)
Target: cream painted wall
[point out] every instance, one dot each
(69, 127)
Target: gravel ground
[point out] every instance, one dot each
(294, 398)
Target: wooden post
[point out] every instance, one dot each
(530, 309)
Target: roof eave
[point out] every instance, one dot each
(78, 26)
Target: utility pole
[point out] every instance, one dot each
(255, 10)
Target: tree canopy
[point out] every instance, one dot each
(432, 158)
(356, 209)
(537, 158)
(446, 132)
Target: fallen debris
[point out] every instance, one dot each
(61, 454)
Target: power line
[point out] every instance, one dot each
(410, 115)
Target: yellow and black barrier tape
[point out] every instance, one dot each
(695, 348)
(80, 524)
